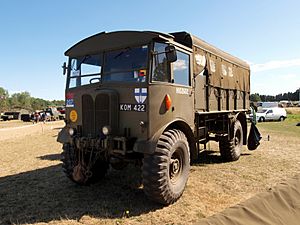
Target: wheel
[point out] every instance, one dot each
(231, 149)
(261, 119)
(282, 118)
(77, 172)
(166, 172)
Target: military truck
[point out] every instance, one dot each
(153, 99)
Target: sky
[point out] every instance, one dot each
(35, 34)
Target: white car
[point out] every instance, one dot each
(267, 114)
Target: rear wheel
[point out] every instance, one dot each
(282, 118)
(79, 170)
(231, 149)
(165, 172)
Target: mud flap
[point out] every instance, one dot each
(253, 138)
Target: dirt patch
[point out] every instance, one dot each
(13, 123)
(33, 188)
(17, 130)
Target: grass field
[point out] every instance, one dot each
(34, 190)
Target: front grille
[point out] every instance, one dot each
(88, 115)
(100, 113)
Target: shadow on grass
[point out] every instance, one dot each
(209, 157)
(44, 195)
(51, 157)
(212, 157)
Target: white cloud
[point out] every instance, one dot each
(276, 64)
(180, 64)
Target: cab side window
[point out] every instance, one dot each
(181, 69)
(161, 68)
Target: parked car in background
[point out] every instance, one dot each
(62, 111)
(267, 104)
(54, 113)
(9, 116)
(268, 114)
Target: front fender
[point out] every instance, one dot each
(149, 146)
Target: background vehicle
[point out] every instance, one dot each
(52, 114)
(62, 111)
(14, 115)
(268, 114)
(9, 116)
(267, 104)
(152, 99)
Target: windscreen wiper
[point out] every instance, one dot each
(122, 52)
(83, 60)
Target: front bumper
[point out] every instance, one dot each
(109, 144)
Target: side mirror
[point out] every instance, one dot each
(171, 53)
(64, 66)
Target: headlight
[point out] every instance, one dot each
(106, 130)
(71, 131)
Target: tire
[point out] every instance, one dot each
(261, 119)
(231, 149)
(165, 173)
(282, 118)
(70, 164)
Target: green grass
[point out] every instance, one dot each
(293, 118)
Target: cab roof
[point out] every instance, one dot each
(114, 40)
(120, 39)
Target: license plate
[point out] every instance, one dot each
(133, 107)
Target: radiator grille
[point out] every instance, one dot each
(88, 123)
(102, 111)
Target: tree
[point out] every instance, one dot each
(38, 103)
(3, 99)
(20, 100)
(255, 97)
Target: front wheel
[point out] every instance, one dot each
(165, 173)
(231, 149)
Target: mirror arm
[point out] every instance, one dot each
(65, 68)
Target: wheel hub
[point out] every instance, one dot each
(174, 167)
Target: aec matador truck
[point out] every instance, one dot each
(152, 99)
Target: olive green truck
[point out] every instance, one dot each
(153, 99)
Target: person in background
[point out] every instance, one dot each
(253, 112)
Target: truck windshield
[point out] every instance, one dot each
(85, 70)
(125, 65)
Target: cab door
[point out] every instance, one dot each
(182, 87)
(270, 115)
(170, 80)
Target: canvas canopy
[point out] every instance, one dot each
(279, 205)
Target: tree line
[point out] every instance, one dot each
(23, 100)
(290, 96)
